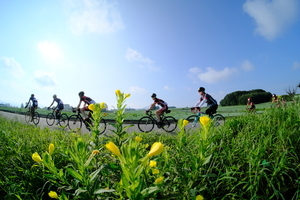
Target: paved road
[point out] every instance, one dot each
(43, 124)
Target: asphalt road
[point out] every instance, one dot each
(43, 124)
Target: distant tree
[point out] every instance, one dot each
(291, 91)
(22, 105)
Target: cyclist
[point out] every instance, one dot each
(59, 107)
(34, 105)
(87, 101)
(159, 112)
(250, 105)
(205, 98)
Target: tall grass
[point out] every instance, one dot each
(252, 156)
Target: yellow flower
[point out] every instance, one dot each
(36, 157)
(199, 197)
(118, 93)
(138, 139)
(155, 171)
(156, 149)
(105, 114)
(126, 95)
(95, 151)
(146, 146)
(185, 122)
(205, 120)
(53, 194)
(113, 148)
(51, 148)
(152, 163)
(103, 105)
(91, 107)
(159, 180)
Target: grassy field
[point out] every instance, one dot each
(252, 156)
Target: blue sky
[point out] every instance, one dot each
(167, 47)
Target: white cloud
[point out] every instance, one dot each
(137, 90)
(13, 66)
(167, 87)
(133, 55)
(213, 76)
(272, 17)
(91, 16)
(45, 79)
(296, 65)
(194, 70)
(247, 65)
(50, 50)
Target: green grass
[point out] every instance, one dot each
(250, 157)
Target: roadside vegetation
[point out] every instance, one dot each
(252, 156)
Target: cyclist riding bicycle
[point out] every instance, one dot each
(58, 109)
(250, 105)
(87, 101)
(205, 98)
(34, 104)
(159, 112)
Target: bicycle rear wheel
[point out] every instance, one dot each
(50, 119)
(146, 124)
(36, 118)
(63, 120)
(218, 120)
(28, 116)
(192, 123)
(102, 126)
(74, 122)
(169, 123)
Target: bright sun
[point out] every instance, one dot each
(49, 50)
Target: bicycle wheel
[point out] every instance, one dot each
(63, 120)
(146, 124)
(102, 126)
(169, 123)
(36, 118)
(191, 123)
(74, 122)
(28, 116)
(218, 120)
(50, 119)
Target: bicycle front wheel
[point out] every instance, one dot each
(28, 116)
(63, 120)
(50, 119)
(146, 124)
(218, 120)
(169, 123)
(192, 123)
(102, 126)
(74, 122)
(36, 118)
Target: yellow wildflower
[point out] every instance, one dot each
(199, 197)
(126, 95)
(113, 148)
(95, 151)
(185, 122)
(146, 146)
(103, 105)
(51, 148)
(36, 157)
(159, 180)
(155, 171)
(156, 149)
(138, 139)
(91, 107)
(53, 194)
(205, 120)
(152, 163)
(118, 93)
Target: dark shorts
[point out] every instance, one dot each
(60, 107)
(211, 110)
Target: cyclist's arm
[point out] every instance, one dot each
(79, 104)
(51, 104)
(200, 103)
(152, 106)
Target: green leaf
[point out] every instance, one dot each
(149, 190)
(99, 191)
(74, 173)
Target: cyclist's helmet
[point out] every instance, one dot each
(54, 96)
(249, 99)
(201, 89)
(153, 95)
(274, 95)
(32, 95)
(81, 93)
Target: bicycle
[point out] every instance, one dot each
(218, 119)
(75, 122)
(146, 123)
(32, 116)
(63, 118)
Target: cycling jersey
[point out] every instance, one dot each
(206, 99)
(34, 101)
(58, 101)
(161, 102)
(87, 100)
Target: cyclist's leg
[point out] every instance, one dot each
(211, 110)
(158, 113)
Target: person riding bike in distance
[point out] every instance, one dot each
(205, 98)
(34, 105)
(59, 107)
(159, 112)
(87, 101)
(250, 105)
